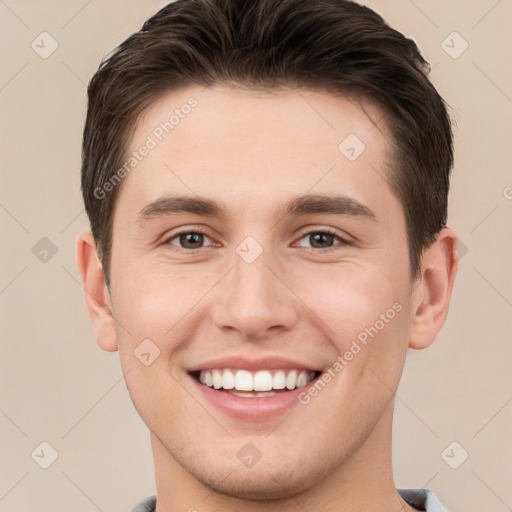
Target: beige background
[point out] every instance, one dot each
(58, 386)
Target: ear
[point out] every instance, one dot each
(96, 292)
(432, 291)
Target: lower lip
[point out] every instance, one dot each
(253, 409)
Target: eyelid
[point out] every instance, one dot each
(167, 239)
(345, 237)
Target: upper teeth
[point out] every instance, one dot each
(263, 380)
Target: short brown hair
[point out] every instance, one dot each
(337, 45)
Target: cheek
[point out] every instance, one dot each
(364, 315)
(151, 330)
(351, 300)
(157, 313)
(152, 302)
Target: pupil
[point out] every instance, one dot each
(195, 239)
(320, 238)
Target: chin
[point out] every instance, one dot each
(258, 485)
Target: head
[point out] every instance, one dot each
(272, 100)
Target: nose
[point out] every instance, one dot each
(254, 298)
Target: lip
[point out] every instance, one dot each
(244, 363)
(251, 409)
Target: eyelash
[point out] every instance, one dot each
(326, 231)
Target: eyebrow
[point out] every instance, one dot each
(303, 205)
(333, 205)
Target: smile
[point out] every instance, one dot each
(252, 389)
(252, 395)
(251, 384)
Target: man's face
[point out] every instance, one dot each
(261, 288)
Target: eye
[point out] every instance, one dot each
(189, 240)
(323, 239)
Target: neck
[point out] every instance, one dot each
(363, 482)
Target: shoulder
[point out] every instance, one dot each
(423, 499)
(146, 505)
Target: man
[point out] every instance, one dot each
(267, 185)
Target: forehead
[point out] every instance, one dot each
(311, 115)
(221, 142)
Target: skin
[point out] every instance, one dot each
(251, 152)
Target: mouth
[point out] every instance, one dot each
(252, 388)
(254, 384)
(252, 391)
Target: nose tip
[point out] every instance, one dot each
(254, 300)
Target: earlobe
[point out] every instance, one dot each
(96, 292)
(432, 292)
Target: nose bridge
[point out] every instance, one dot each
(251, 274)
(253, 298)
